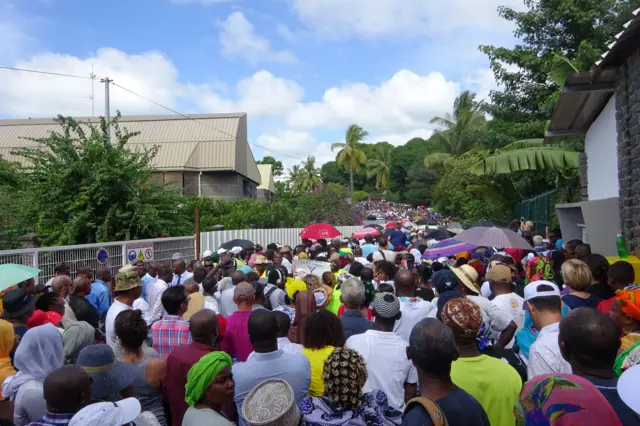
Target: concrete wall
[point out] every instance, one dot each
(602, 155)
(265, 195)
(628, 127)
(226, 186)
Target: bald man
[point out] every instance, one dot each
(180, 273)
(62, 285)
(413, 308)
(66, 390)
(203, 326)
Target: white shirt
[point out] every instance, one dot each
(287, 347)
(29, 404)
(211, 304)
(183, 278)
(287, 264)
(109, 322)
(363, 261)
(494, 319)
(225, 297)
(511, 304)
(387, 363)
(69, 316)
(413, 311)
(154, 294)
(544, 354)
(143, 306)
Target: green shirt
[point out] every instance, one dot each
(335, 303)
(493, 383)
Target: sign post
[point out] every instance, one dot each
(139, 251)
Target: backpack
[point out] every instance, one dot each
(281, 275)
(267, 302)
(435, 412)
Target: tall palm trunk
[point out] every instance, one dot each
(351, 179)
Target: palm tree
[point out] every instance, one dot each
(350, 156)
(295, 174)
(455, 137)
(380, 165)
(309, 175)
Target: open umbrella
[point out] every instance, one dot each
(362, 232)
(494, 237)
(439, 234)
(244, 244)
(12, 274)
(316, 231)
(376, 226)
(409, 225)
(446, 248)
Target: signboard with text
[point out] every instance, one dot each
(140, 251)
(306, 267)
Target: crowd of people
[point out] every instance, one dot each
(488, 337)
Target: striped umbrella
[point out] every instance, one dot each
(446, 248)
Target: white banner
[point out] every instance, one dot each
(306, 267)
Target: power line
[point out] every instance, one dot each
(46, 72)
(200, 122)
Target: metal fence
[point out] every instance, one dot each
(285, 236)
(538, 209)
(118, 254)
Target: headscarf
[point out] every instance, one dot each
(477, 265)
(305, 306)
(344, 376)
(464, 254)
(76, 337)
(563, 400)
(303, 256)
(627, 359)
(463, 317)
(629, 302)
(538, 268)
(38, 354)
(7, 340)
(293, 285)
(202, 374)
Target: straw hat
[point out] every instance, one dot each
(468, 276)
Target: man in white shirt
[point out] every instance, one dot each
(413, 308)
(128, 289)
(506, 300)
(284, 323)
(226, 289)
(384, 351)
(180, 273)
(542, 300)
(155, 290)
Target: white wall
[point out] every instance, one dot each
(601, 146)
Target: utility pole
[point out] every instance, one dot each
(93, 97)
(106, 82)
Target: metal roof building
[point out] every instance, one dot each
(267, 187)
(210, 147)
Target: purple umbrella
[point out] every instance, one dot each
(446, 248)
(494, 237)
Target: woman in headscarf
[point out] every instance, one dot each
(7, 343)
(76, 337)
(38, 354)
(625, 312)
(343, 402)
(305, 306)
(209, 386)
(563, 400)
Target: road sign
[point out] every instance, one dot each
(102, 255)
(140, 251)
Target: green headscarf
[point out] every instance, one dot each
(202, 374)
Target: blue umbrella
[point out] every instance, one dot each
(12, 274)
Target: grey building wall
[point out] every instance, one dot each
(265, 195)
(227, 186)
(628, 126)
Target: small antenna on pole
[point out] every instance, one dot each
(93, 98)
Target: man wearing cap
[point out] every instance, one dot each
(236, 340)
(542, 300)
(127, 290)
(500, 282)
(385, 354)
(18, 307)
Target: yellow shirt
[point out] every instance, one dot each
(335, 303)
(494, 383)
(316, 359)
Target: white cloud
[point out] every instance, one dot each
(238, 39)
(377, 18)
(398, 139)
(295, 144)
(405, 102)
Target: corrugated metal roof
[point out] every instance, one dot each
(623, 42)
(200, 142)
(266, 175)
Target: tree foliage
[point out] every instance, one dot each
(276, 166)
(379, 166)
(350, 155)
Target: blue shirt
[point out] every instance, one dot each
(460, 409)
(354, 323)
(146, 280)
(397, 238)
(609, 389)
(368, 249)
(100, 298)
(292, 368)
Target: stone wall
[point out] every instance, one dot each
(628, 127)
(226, 186)
(584, 179)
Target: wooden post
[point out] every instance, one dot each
(197, 233)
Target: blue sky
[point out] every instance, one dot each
(302, 69)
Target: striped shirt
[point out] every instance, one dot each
(169, 333)
(51, 419)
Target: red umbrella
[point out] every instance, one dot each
(392, 225)
(362, 232)
(317, 231)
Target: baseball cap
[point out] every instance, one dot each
(127, 280)
(499, 273)
(207, 253)
(386, 305)
(108, 413)
(243, 292)
(531, 291)
(444, 280)
(236, 250)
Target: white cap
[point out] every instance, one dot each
(628, 388)
(236, 250)
(207, 253)
(107, 413)
(222, 250)
(531, 290)
(177, 256)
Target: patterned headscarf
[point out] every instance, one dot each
(629, 302)
(344, 376)
(202, 374)
(538, 268)
(463, 317)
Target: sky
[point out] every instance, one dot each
(302, 70)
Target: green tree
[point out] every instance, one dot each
(309, 175)
(83, 188)
(457, 134)
(350, 155)
(380, 166)
(276, 166)
(295, 178)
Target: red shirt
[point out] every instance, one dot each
(236, 337)
(178, 364)
(605, 305)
